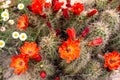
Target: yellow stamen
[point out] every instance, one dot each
(1, 43)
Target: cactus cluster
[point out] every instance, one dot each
(49, 41)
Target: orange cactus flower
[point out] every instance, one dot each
(112, 60)
(19, 63)
(30, 49)
(69, 50)
(23, 22)
(77, 8)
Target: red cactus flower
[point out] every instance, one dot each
(57, 6)
(49, 25)
(65, 13)
(30, 49)
(112, 60)
(69, 50)
(85, 32)
(57, 78)
(29, 7)
(53, 2)
(118, 8)
(71, 33)
(47, 5)
(77, 8)
(37, 6)
(68, 3)
(92, 12)
(96, 42)
(37, 58)
(43, 74)
(19, 63)
(57, 32)
(23, 22)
